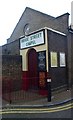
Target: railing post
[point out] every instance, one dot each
(49, 89)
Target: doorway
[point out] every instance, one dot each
(32, 69)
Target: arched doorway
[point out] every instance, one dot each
(32, 69)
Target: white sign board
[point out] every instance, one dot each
(32, 40)
(62, 60)
(48, 80)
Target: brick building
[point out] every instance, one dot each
(51, 49)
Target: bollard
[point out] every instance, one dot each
(49, 89)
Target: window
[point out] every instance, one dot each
(26, 29)
(54, 62)
(62, 60)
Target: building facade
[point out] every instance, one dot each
(45, 43)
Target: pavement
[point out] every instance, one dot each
(59, 97)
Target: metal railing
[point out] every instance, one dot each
(12, 91)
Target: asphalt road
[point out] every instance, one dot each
(61, 114)
(61, 111)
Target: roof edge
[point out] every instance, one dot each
(50, 29)
(63, 15)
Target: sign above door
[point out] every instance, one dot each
(32, 40)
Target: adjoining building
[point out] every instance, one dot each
(45, 43)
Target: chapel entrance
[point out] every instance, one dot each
(32, 69)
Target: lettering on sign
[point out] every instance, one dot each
(32, 40)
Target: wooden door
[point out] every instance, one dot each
(32, 69)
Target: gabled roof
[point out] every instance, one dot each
(37, 20)
(46, 15)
